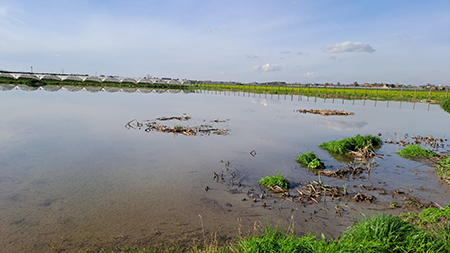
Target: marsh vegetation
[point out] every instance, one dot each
(428, 231)
(415, 151)
(310, 160)
(357, 145)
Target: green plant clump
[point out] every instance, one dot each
(443, 169)
(272, 181)
(380, 233)
(355, 144)
(428, 218)
(310, 160)
(316, 163)
(412, 151)
(446, 105)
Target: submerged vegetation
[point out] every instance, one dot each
(310, 160)
(415, 151)
(428, 231)
(352, 144)
(275, 181)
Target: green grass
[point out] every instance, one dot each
(428, 218)
(415, 151)
(274, 240)
(446, 105)
(277, 180)
(346, 92)
(428, 231)
(310, 160)
(356, 143)
(388, 233)
(443, 169)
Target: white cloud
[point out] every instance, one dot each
(342, 125)
(267, 68)
(310, 75)
(251, 56)
(4, 12)
(286, 52)
(348, 46)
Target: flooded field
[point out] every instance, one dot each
(84, 170)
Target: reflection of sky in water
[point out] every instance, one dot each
(78, 146)
(340, 125)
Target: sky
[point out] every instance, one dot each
(384, 41)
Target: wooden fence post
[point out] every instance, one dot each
(429, 94)
(446, 92)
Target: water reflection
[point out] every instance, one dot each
(69, 168)
(342, 125)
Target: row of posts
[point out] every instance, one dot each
(218, 86)
(299, 96)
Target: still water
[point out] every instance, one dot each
(73, 176)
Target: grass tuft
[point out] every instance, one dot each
(443, 169)
(273, 181)
(273, 240)
(352, 144)
(310, 160)
(413, 151)
(428, 217)
(446, 105)
(380, 233)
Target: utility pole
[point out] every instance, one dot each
(31, 69)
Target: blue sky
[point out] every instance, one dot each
(235, 40)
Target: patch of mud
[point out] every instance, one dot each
(201, 130)
(436, 144)
(327, 112)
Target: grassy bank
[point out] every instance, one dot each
(347, 92)
(428, 231)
